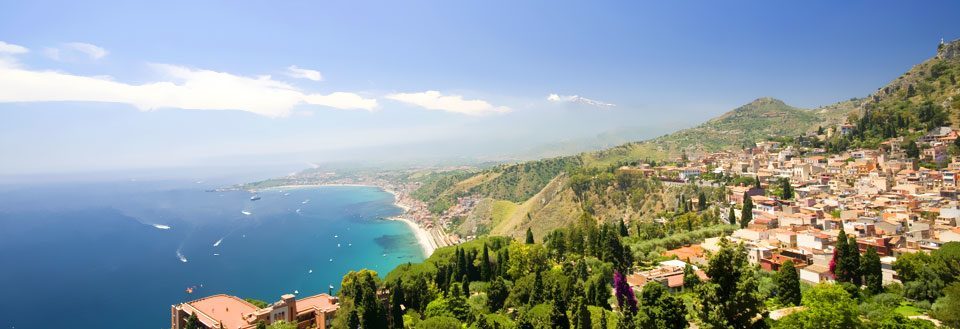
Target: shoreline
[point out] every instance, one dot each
(426, 243)
(424, 239)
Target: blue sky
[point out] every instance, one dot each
(117, 85)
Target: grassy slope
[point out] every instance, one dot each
(936, 79)
(553, 205)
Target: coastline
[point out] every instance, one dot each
(426, 241)
(423, 237)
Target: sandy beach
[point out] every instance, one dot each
(423, 237)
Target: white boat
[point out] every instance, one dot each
(246, 213)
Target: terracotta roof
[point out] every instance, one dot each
(225, 309)
(321, 302)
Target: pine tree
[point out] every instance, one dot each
(497, 294)
(193, 322)
(872, 272)
(746, 214)
(660, 309)
(787, 282)
(729, 299)
(529, 236)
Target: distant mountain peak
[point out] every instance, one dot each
(766, 100)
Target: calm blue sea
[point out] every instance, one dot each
(88, 255)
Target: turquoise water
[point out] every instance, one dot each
(89, 256)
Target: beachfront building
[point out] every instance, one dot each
(231, 312)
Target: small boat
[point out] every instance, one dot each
(255, 198)
(310, 271)
(189, 290)
(246, 213)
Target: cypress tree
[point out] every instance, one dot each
(853, 262)
(732, 216)
(623, 228)
(536, 296)
(465, 286)
(839, 265)
(690, 278)
(756, 182)
(787, 283)
(485, 264)
(396, 300)
(746, 214)
(702, 202)
(603, 319)
(872, 272)
(353, 319)
(558, 313)
(373, 315)
(786, 190)
(529, 236)
(583, 317)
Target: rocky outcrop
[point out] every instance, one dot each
(949, 50)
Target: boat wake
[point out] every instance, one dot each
(217, 244)
(180, 255)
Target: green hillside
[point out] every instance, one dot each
(926, 96)
(537, 195)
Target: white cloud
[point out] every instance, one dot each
(75, 50)
(433, 100)
(12, 49)
(579, 100)
(8, 51)
(183, 88)
(302, 73)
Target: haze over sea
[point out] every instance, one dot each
(96, 254)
